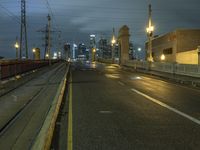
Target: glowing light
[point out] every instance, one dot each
(150, 29)
(162, 57)
(113, 40)
(34, 50)
(139, 49)
(92, 36)
(16, 45)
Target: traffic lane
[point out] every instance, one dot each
(183, 98)
(107, 115)
(22, 133)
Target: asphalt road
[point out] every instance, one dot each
(117, 110)
(23, 110)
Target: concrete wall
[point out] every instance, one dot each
(164, 42)
(187, 39)
(188, 57)
(181, 40)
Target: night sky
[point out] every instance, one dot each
(77, 19)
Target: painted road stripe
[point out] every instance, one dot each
(168, 107)
(70, 129)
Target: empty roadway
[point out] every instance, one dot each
(113, 109)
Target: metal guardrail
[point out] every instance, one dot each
(44, 138)
(172, 68)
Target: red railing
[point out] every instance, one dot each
(12, 67)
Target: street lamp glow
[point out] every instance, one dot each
(162, 57)
(47, 55)
(139, 49)
(34, 50)
(150, 29)
(16, 45)
(113, 40)
(94, 50)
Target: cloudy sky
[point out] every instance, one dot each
(77, 19)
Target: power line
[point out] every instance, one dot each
(10, 14)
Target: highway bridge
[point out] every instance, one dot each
(89, 106)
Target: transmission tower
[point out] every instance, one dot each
(47, 31)
(23, 33)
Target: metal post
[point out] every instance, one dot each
(23, 33)
(49, 38)
(150, 34)
(16, 46)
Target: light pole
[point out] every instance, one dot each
(113, 41)
(94, 54)
(16, 47)
(139, 50)
(33, 50)
(149, 31)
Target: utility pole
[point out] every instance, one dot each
(47, 31)
(113, 42)
(49, 39)
(59, 45)
(150, 30)
(23, 33)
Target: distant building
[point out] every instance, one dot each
(102, 47)
(92, 41)
(92, 47)
(67, 50)
(82, 49)
(179, 46)
(74, 51)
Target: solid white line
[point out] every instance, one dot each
(121, 83)
(168, 107)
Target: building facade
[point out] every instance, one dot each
(179, 46)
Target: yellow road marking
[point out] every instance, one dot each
(70, 129)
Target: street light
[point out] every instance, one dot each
(139, 50)
(33, 50)
(94, 50)
(113, 41)
(47, 55)
(16, 47)
(162, 57)
(149, 30)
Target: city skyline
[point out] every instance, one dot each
(78, 19)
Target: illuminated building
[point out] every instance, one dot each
(179, 46)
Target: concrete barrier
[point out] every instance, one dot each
(44, 137)
(15, 82)
(109, 61)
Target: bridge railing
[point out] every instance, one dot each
(14, 67)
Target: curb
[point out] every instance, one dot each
(44, 137)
